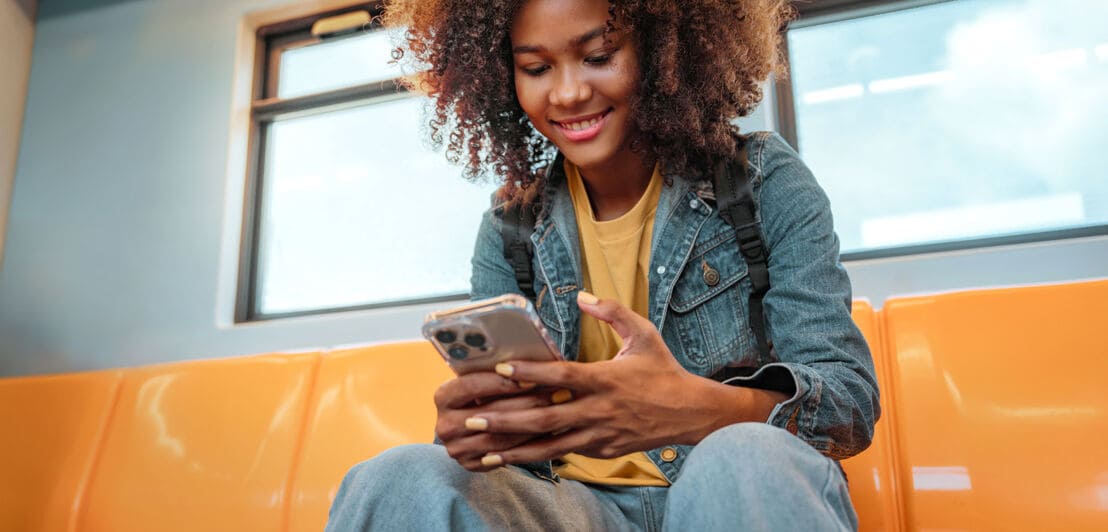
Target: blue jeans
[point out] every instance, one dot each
(748, 476)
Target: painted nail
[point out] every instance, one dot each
(527, 385)
(492, 460)
(505, 370)
(586, 298)
(561, 396)
(477, 423)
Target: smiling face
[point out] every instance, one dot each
(575, 83)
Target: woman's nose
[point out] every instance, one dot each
(570, 89)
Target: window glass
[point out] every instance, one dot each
(348, 61)
(957, 120)
(356, 210)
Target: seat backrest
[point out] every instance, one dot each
(201, 446)
(1001, 407)
(871, 474)
(50, 430)
(366, 400)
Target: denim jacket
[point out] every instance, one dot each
(818, 355)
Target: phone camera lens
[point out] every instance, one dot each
(475, 340)
(458, 352)
(446, 336)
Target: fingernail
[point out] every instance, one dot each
(527, 385)
(561, 396)
(586, 298)
(477, 423)
(492, 460)
(504, 369)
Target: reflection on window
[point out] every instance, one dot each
(957, 120)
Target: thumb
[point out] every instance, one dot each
(622, 319)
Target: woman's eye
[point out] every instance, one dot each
(534, 71)
(598, 59)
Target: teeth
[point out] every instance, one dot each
(578, 126)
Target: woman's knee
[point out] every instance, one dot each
(779, 481)
(747, 439)
(753, 450)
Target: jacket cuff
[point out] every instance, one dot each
(797, 413)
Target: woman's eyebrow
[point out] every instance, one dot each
(576, 41)
(590, 35)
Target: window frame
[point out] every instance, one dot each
(818, 12)
(265, 109)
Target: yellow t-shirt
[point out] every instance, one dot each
(615, 259)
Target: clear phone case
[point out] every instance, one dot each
(477, 336)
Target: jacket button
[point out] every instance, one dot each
(669, 454)
(711, 276)
(661, 270)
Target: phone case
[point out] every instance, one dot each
(477, 336)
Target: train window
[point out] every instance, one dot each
(943, 125)
(348, 207)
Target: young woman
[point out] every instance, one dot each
(606, 119)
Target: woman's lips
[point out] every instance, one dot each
(580, 130)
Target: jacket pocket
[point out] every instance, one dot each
(709, 305)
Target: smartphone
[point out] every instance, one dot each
(482, 334)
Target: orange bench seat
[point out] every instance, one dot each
(51, 428)
(1001, 408)
(993, 416)
(204, 445)
(366, 400)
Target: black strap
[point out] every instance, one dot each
(735, 199)
(519, 223)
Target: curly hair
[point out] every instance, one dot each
(701, 63)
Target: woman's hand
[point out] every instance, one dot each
(464, 397)
(639, 400)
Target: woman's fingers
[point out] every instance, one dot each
(457, 423)
(640, 336)
(541, 449)
(571, 375)
(622, 319)
(469, 441)
(463, 391)
(565, 412)
(469, 451)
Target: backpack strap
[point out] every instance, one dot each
(735, 199)
(518, 224)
